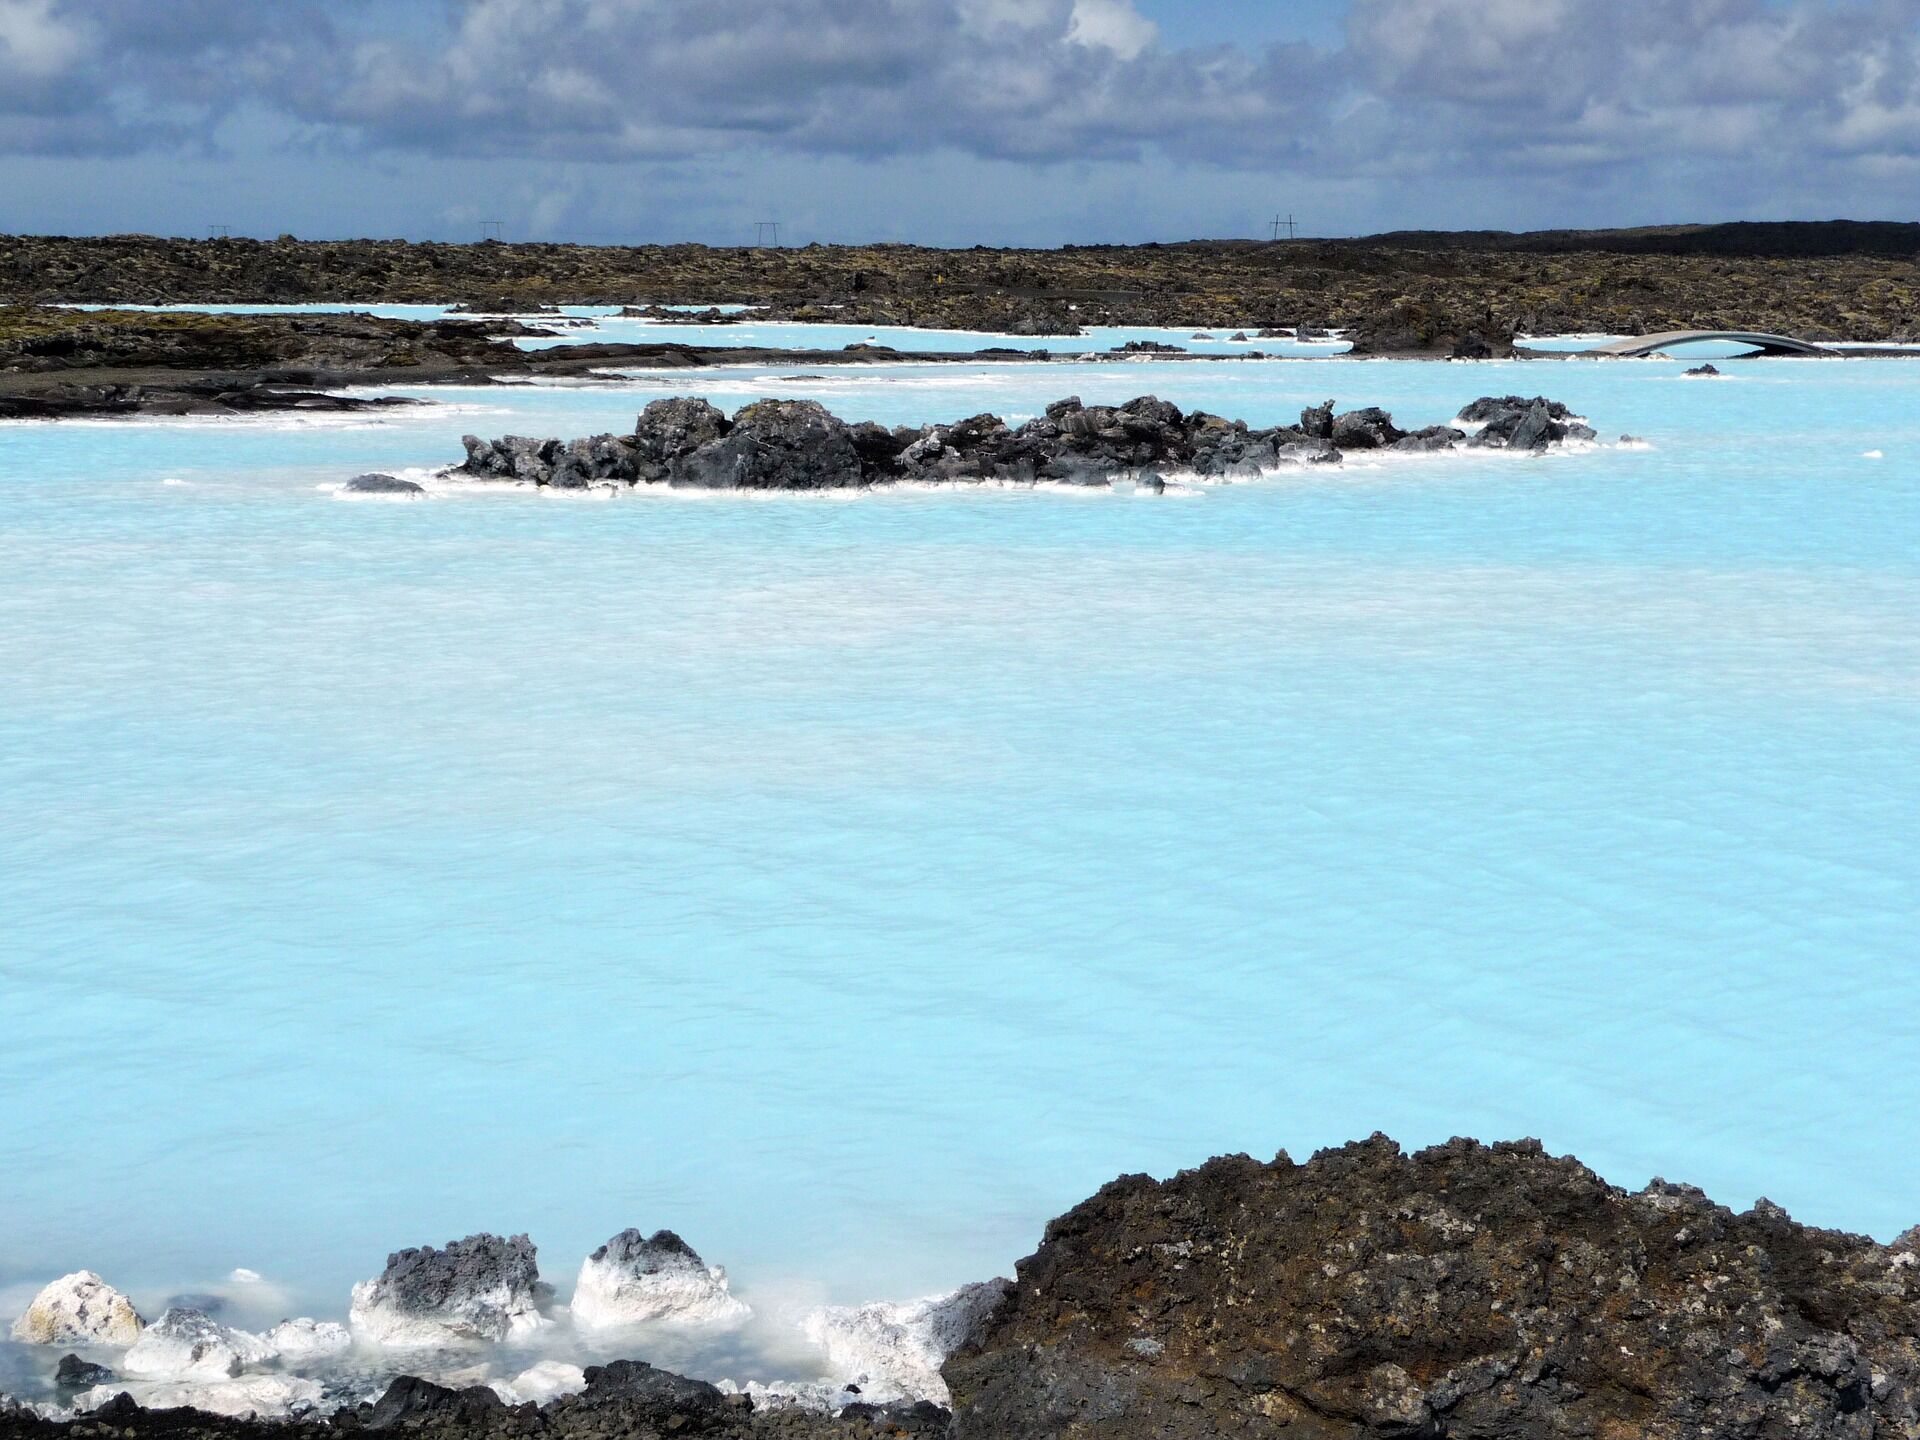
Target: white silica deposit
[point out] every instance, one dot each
(264, 1397)
(79, 1309)
(635, 1279)
(893, 1352)
(483, 1289)
(303, 1341)
(548, 1380)
(189, 1345)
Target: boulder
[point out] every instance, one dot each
(1434, 437)
(1467, 1290)
(73, 1373)
(1316, 422)
(667, 430)
(894, 1352)
(79, 1309)
(482, 1288)
(1368, 429)
(1536, 430)
(667, 1402)
(1492, 407)
(185, 1344)
(774, 445)
(377, 484)
(409, 1401)
(1707, 371)
(635, 1279)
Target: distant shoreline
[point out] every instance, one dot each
(1399, 293)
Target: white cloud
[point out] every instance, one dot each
(1516, 111)
(1112, 25)
(35, 41)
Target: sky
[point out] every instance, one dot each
(949, 122)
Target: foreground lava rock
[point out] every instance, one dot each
(1461, 1291)
(1466, 1291)
(799, 445)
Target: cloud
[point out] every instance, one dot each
(1111, 25)
(1522, 107)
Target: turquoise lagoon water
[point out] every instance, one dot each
(607, 325)
(852, 883)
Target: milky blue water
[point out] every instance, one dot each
(853, 883)
(604, 324)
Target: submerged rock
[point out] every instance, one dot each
(1466, 1290)
(635, 1279)
(894, 1352)
(79, 1309)
(381, 485)
(185, 1344)
(482, 1288)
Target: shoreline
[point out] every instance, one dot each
(1417, 290)
(1465, 1288)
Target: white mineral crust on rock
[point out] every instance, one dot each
(635, 1280)
(482, 1288)
(894, 1352)
(298, 1341)
(546, 1381)
(79, 1309)
(267, 1397)
(188, 1345)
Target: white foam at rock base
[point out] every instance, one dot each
(893, 1352)
(296, 1341)
(633, 1281)
(818, 1397)
(396, 1329)
(548, 1380)
(187, 1345)
(79, 1309)
(265, 1397)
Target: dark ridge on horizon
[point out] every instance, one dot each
(1759, 239)
(1781, 239)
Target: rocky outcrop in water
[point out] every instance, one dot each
(1465, 1291)
(79, 1309)
(187, 1344)
(799, 445)
(482, 1288)
(636, 1279)
(1512, 422)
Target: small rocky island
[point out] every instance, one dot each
(799, 445)
(1493, 1292)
